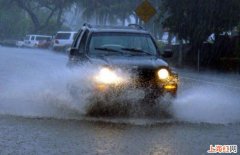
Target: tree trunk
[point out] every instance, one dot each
(59, 17)
(198, 59)
(35, 20)
(169, 38)
(137, 20)
(26, 6)
(123, 19)
(180, 55)
(97, 19)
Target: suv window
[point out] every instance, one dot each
(32, 38)
(63, 36)
(77, 39)
(83, 41)
(74, 36)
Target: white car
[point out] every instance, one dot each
(33, 40)
(63, 40)
(19, 43)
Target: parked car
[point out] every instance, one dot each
(130, 49)
(63, 40)
(19, 43)
(45, 43)
(34, 40)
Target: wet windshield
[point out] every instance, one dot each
(120, 43)
(38, 38)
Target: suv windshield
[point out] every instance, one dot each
(40, 38)
(120, 43)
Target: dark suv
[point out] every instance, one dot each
(127, 57)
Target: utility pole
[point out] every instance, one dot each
(198, 60)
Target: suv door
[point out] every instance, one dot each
(77, 51)
(78, 46)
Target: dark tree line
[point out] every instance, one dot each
(192, 20)
(196, 20)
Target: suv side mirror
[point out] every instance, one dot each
(74, 53)
(168, 53)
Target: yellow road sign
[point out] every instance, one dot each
(145, 11)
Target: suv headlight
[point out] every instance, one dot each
(107, 76)
(163, 74)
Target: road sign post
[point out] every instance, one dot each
(145, 11)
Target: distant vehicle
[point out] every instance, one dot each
(130, 49)
(34, 40)
(45, 43)
(63, 40)
(19, 43)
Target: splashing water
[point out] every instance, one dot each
(37, 83)
(207, 103)
(34, 84)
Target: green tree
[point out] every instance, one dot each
(13, 21)
(45, 13)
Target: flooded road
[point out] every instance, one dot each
(39, 115)
(51, 136)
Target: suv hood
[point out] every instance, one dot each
(150, 62)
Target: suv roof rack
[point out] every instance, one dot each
(87, 25)
(135, 26)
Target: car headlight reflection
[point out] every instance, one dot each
(108, 76)
(163, 74)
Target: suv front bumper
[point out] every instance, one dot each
(154, 88)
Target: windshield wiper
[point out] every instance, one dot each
(108, 49)
(136, 50)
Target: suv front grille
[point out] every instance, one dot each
(144, 77)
